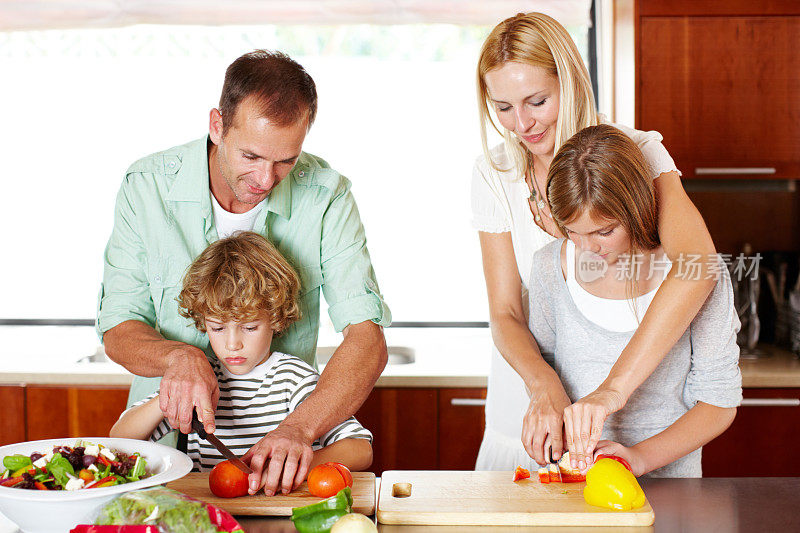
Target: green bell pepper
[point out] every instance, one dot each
(319, 517)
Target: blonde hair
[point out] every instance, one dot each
(241, 278)
(601, 171)
(538, 40)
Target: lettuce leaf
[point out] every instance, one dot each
(60, 467)
(15, 462)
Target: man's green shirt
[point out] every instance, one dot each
(163, 219)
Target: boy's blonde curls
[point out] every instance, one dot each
(241, 278)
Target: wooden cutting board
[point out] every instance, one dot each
(492, 498)
(195, 484)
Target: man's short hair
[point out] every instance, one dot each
(242, 278)
(281, 86)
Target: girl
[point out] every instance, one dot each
(588, 292)
(533, 78)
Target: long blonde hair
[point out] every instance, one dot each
(601, 171)
(538, 40)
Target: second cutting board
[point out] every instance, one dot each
(492, 498)
(195, 484)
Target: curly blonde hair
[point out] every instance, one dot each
(241, 278)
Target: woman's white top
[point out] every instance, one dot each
(499, 205)
(617, 315)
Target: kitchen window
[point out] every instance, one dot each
(397, 116)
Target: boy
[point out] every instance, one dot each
(241, 291)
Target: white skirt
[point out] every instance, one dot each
(506, 404)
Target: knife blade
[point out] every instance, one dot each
(198, 428)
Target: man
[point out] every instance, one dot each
(249, 173)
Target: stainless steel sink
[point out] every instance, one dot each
(398, 355)
(99, 356)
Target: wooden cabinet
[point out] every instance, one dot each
(57, 411)
(424, 429)
(762, 441)
(461, 425)
(721, 82)
(12, 428)
(403, 423)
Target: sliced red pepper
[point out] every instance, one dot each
(616, 458)
(39, 485)
(521, 473)
(104, 460)
(555, 473)
(102, 482)
(10, 482)
(572, 478)
(544, 475)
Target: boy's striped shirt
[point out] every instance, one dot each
(253, 404)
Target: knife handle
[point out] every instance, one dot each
(197, 426)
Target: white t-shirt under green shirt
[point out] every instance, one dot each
(228, 223)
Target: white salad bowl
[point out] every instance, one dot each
(39, 511)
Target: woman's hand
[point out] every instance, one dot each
(543, 422)
(583, 424)
(632, 455)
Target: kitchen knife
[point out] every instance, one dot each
(198, 428)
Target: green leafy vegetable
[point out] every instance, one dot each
(60, 467)
(160, 506)
(138, 469)
(15, 462)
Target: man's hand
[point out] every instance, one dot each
(188, 382)
(282, 458)
(543, 422)
(583, 424)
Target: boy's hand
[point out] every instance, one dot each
(188, 381)
(631, 455)
(282, 458)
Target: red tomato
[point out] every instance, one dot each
(227, 481)
(327, 479)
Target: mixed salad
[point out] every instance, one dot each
(83, 466)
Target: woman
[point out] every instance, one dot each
(602, 199)
(532, 76)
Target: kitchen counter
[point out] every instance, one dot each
(688, 505)
(440, 357)
(722, 505)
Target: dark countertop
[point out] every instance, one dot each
(687, 505)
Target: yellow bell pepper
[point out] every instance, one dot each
(610, 484)
(27, 468)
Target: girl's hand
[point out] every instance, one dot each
(544, 422)
(583, 424)
(631, 455)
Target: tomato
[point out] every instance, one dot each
(227, 481)
(327, 479)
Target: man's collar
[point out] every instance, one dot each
(279, 200)
(191, 180)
